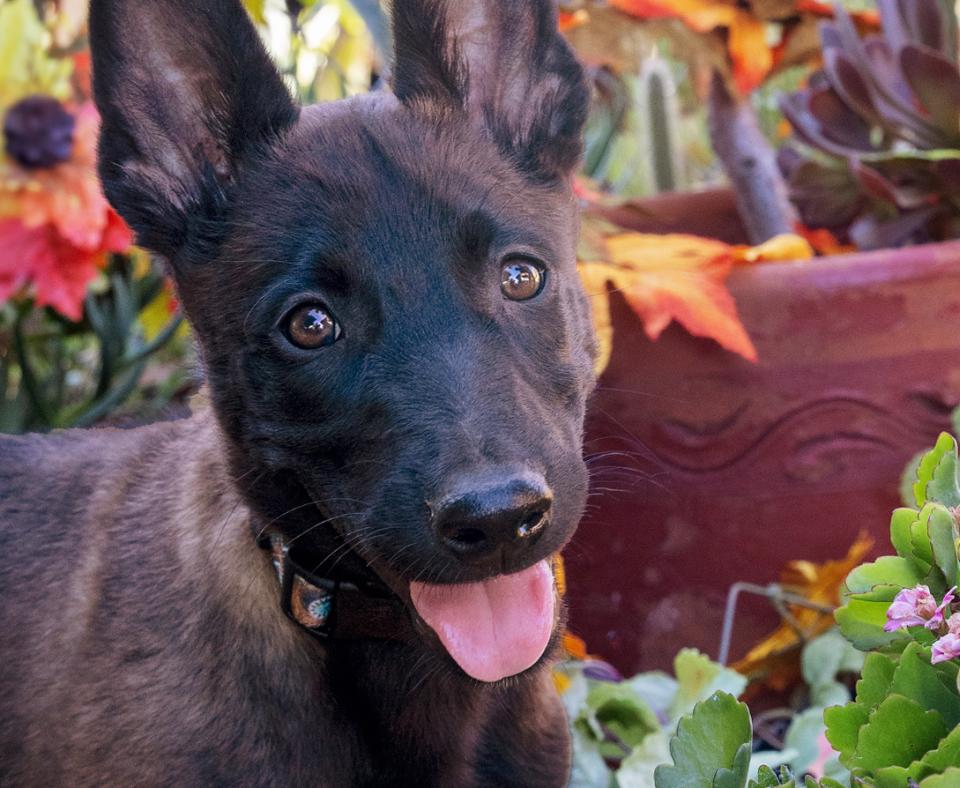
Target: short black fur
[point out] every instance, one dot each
(152, 650)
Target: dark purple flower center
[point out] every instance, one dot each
(38, 132)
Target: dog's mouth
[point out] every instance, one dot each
(494, 628)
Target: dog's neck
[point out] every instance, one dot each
(390, 686)
(321, 584)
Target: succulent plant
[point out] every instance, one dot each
(875, 152)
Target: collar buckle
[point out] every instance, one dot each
(310, 603)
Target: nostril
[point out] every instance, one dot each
(531, 523)
(468, 537)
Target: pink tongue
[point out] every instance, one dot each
(493, 629)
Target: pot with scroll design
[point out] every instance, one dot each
(711, 470)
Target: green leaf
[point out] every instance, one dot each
(898, 732)
(941, 528)
(917, 679)
(765, 779)
(698, 677)
(920, 537)
(937, 474)
(861, 622)
(620, 710)
(844, 722)
(843, 728)
(949, 779)
(825, 656)
(947, 753)
(907, 480)
(875, 680)
(892, 777)
(888, 571)
(709, 740)
(901, 524)
(736, 776)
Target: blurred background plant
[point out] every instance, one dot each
(89, 325)
(874, 153)
(682, 89)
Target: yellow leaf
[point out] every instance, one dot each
(595, 282)
(257, 10)
(781, 248)
(25, 66)
(670, 277)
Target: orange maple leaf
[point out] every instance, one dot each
(665, 278)
(750, 53)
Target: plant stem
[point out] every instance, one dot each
(27, 374)
(750, 164)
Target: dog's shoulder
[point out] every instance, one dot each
(66, 466)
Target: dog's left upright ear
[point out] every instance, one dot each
(506, 64)
(186, 91)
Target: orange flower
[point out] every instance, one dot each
(58, 227)
(66, 195)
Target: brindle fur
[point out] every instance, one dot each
(142, 638)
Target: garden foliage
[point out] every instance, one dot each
(902, 728)
(876, 147)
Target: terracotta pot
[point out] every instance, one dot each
(747, 466)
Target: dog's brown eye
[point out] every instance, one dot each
(521, 280)
(312, 326)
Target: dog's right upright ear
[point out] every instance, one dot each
(505, 64)
(186, 91)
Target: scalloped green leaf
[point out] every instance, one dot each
(945, 756)
(892, 777)
(942, 530)
(900, 536)
(937, 474)
(887, 571)
(915, 678)
(736, 776)
(861, 622)
(898, 732)
(766, 778)
(708, 740)
(949, 779)
(843, 728)
(875, 679)
(920, 536)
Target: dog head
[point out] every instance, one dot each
(383, 289)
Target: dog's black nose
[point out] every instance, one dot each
(482, 513)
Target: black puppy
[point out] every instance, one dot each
(398, 352)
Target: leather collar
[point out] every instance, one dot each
(333, 608)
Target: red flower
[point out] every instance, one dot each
(58, 271)
(56, 227)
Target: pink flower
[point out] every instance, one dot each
(916, 607)
(948, 647)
